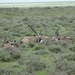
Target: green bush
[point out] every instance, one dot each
(15, 52)
(54, 48)
(6, 29)
(63, 43)
(39, 47)
(9, 54)
(4, 55)
(62, 67)
(33, 63)
(4, 71)
(31, 44)
(69, 56)
(41, 52)
(23, 72)
(35, 66)
(72, 48)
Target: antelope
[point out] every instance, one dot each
(55, 38)
(38, 38)
(8, 44)
(56, 32)
(43, 36)
(67, 39)
(63, 38)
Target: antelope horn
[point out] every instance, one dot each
(32, 29)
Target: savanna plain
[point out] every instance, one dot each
(51, 57)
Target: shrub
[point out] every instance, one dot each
(63, 43)
(15, 52)
(72, 48)
(17, 34)
(62, 67)
(35, 66)
(4, 56)
(15, 65)
(69, 56)
(9, 54)
(6, 28)
(41, 52)
(39, 47)
(4, 71)
(31, 44)
(54, 48)
(23, 72)
(33, 63)
(27, 73)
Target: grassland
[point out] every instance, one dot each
(47, 58)
(37, 4)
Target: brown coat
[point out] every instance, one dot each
(39, 38)
(63, 38)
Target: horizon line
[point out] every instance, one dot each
(36, 1)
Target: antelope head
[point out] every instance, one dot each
(56, 32)
(8, 44)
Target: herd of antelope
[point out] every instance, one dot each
(38, 38)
